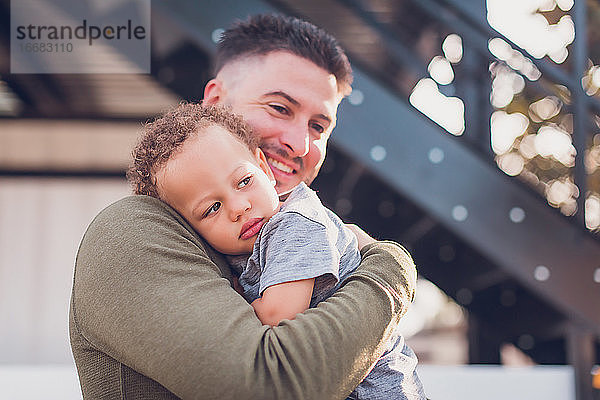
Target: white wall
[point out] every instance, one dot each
(41, 224)
(492, 382)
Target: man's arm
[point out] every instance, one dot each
(147, 294)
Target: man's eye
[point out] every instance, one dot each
(213, 209)
(279, 109)
(318, 127)
(244, 182)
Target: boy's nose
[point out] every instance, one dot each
(239, 208)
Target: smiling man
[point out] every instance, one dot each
(153, 312)
(286, 80)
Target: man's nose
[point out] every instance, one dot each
(296, 139)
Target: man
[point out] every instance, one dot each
(288, 89)
(153, 311)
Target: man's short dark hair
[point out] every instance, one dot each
(264, 33)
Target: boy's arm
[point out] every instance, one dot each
(288, 294)
(295, 259)
(283, 301)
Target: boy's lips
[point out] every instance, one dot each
(251, 228)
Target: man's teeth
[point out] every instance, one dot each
(280, 166)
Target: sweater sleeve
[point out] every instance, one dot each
(147, 293)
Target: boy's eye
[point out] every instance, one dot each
(244, 182)
(213, 209)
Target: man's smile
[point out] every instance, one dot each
(280, 166)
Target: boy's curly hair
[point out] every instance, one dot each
(163, 136)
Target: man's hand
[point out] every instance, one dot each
(363, 238)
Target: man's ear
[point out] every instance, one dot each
(262, 163)
(213, 91)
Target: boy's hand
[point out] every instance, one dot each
(363, 238)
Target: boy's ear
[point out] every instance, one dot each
(262, 163)
(213, 91)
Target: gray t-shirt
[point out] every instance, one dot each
(303, 240)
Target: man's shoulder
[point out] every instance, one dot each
(136, 210)
(142, 218)
(141, 224)
(135, 203)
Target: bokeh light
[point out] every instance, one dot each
(505, 128)
(520, 22)
(545, 108)
(453, 48)
(551, 141)
(440, 70)
(448, 112)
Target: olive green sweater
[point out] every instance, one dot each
(153, 316)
